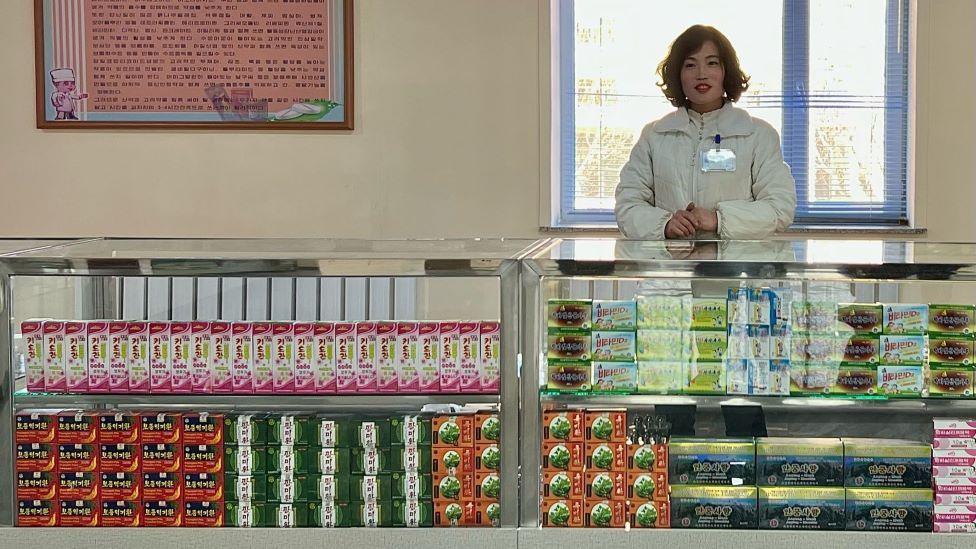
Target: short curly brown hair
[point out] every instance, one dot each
(686, 44)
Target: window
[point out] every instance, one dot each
(830, 75)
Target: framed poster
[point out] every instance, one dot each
(183, 64)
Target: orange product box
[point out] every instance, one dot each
(119, 458)
(77, 457)
(78, 486)
(453, 460)
(606, 485)
(121, 513)
(647, 457)
(77, 427)
(161, 458)
(649, 514)
(453, 488)
(487, 457)
(203, 486)
(162, 428)
(203, 458)
(118, 428)
(162, 486)
(487, 513)
(37, 485)
(203, 428)
(453, 431)
(487, 428)
(606, 426)
(203, 514)
(36, 456)
(165, 514)
(602, 513)
(37, 512)
(611, 456)
(81, 512)
(563, 456)
(455, 513)
(646, 486)
(565, 425)
(120, 486)
(562, 513)
(563, 485)
(487, 486)
(33, 427)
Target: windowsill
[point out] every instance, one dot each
(827, 230)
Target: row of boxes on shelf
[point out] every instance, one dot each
(261, 357)
(198, 469)
(954, 475)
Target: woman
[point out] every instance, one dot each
(708, 168)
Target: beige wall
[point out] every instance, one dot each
(447, 140)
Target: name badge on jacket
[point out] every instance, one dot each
(717, 160)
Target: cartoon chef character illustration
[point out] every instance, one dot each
(64, 98)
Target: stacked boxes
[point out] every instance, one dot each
(888, 485)
(466, 463)
(954, 475)
(569, 345)
(951, 329)
(614, 346)
(663, 324)
(713, 483)
(760, 333)
(246, 455)
(801, 484)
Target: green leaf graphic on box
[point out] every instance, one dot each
(494, 512)
(452, 460)
(603, 428)
(559, 457)
(603, 457)
(644, 487)
(560, 427)
(559, 514)
(603, 486)
(491, 457)
(646, 515)
(560, 485)
(453, 513)
(449, 432)
(450, 487)
(644, 458)
(491, 486)
(601, 515)
(492, 428)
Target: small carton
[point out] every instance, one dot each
(78, 486)
(563, 456)
(605, 426)
(366, 357)
(120, 513)
(203, 458)
(221, 355)
(883, 463)
(487, 457)
(565, 345)
(262, 339)
(283, 358)
(815, 317)
(663, 312)
(954, 499)
(203, 487)
(407, 357)
(347, 375)
(958, 443)
(203, 514)
(305, 367)
(242, 360)
(799, 461)
(662, 345)
(201, 367)
(901, 381)
(615, 377)
(708, 314)
(942, 425)
(450, 357)
(954, 527)
(614, 315)
(860, 318)
(611, 456)
(453, 461)
(35, 427)
(562, 513)
(818, 348)
(802, 509)
(605, 485)
(950, 350)
(614, 346)
(647, 486)
(730, 462)
(604, 514)
(181, 344)
(76, 361)
(455, 513)
(859, 350)
(488, 514)
(324, 357)
(956, 486)
(119, 458)
(246, 430)
(78, 457)
(563, 484)
(487, 486)
(161, 428)
(119, 428)
(37, 485)
(32, 337)
(706, 378)
(36, 456)
(98, 358)
(962, 458)
(413, 431)
(77, 427)
(902, 349)
(137, 360)
(660, 377)
(856, 380)
(490, 360)
(647, 458)
(952, 319)
(889, 510)
(566, 425)
(714, 507)
(650, 514)
(245, 488)
(386, 357)
(428, 349)
(569, 376)
(569, 313)
(74, 513)
(450, 487)
(160, 358)
(37, 512)
(163, 514)
(453, 431)
(470, 356)
(708, 346)
(950, 381)
(901, 318)
(120, 486)
(54, 357)
(203, 428)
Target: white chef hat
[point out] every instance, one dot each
(62, 75)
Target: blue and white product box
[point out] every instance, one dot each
(903, 318)
(614, 346)
(783, 307)
(779, 377)
(780, 343)
(614, 315)
(737, 307)
(762, 307)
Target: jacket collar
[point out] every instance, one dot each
(731, 121)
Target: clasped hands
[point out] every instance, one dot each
(685, 223)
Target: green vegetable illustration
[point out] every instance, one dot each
(453, 513)
(559, 514)
(601, 515)
(644, 487)
(644, 458)
(603, 457)
(452, 460)
(494, 513)
(560, 485)
(603, 428)
(491, 486)
(449, 433)
(491, 429)
(559, 457)
(560, 427)
(602, 485)
(646, 515)
(450, 487)
(492, 458)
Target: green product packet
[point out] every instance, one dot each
(802, 509)
(406, 459)
(333, 488)
(328, 461)
(708, 346)
(293, 488)
(245, 460)
(371, 514)
(569, 376)
(329, 515)
(412, 485)
(951, 381)
(371, 461)
(410, 430)
(287, 459)
(569, 313)
(373, 433)
(705, 378)
(952, 319)
(708, 313)
(286, 515)
(371, 487)
(663, 312)
(330, 432)
(288, 430)
(246, 429)
(412, 513)
(240, 488)
(245, 515)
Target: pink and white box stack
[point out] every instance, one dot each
(954, 475)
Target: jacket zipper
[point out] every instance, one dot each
(694, 172)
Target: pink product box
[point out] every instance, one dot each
(284, 358)
(954, 486)
(263, 339)
(386, 352)
(944, 424)
(32, 338)
(955, 499)
(965, 514)
(118, 357)
(304, 357)
(160, 358)
(55, 380)
(954, 457)
(76, 361)
(470, 351)
(450, 357)
(954, 444)
(955, 433)
(137, 360)
(324, 357)
(948, 471)
(407, 357)
(180, 342)
(490, 360)
(366, 357)
(201, 366)
(428, 349)
(347, 375)
(242, 359)
(221, 356)
(953, 528)
(99, 374)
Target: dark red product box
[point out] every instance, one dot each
(203, 458)
(81, 512)
(31, 427)
(162, 428)
(77, 428)
(37, 512)
(162, 513)
(203, 486)
(77, 457)
(203, 514)
(161, 458)
(162, 486)
(121, 486)
(37, 485)
(118, 428)
(82, 485)
(37, 456)
(119, 458)
(203, 428)
(121, 513)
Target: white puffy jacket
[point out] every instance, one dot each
(664, 175)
